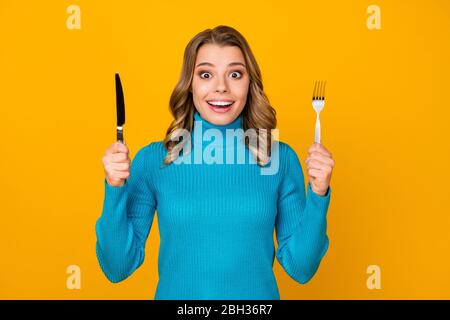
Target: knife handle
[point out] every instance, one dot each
(120, 134)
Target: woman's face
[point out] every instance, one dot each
(220, 83)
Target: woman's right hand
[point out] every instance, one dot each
(116, 164)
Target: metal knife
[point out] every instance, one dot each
(120, 107)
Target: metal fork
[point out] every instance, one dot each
(318, 102)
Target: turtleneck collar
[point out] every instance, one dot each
(235, 124)
(201, 125)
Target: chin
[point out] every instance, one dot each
(221, 118)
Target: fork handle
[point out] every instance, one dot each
(317, 130)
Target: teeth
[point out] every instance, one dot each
(220, 103)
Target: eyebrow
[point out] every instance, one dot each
(231, 64)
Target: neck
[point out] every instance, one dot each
(201, 133)
(235, 124)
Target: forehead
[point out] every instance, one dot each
(218, 55)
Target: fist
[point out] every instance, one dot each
(116, 164)
(319, 166)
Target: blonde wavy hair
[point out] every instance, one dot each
(257, 114)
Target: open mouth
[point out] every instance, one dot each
(220, 104)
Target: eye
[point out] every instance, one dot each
(204, 73)
(239, 75)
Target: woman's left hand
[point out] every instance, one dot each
(319, 166)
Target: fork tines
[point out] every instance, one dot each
(319, 90)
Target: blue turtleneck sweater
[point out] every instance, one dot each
(216, 219)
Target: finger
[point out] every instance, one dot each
(119, 157)
(320, 157)
(120, 166)
(324, 149)
(120, 174)
(319, 150)
(317, 147)
(314, 164)
(324, 153)
(315, 173)
(118, 147)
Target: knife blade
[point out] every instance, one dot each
(120, 108)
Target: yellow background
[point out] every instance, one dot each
(385, 121)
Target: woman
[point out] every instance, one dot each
(216, 216)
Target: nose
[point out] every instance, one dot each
(221, 85)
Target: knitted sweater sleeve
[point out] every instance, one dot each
(301, 221)
(125, 222)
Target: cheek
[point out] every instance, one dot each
(200, 89)
(240, 90)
